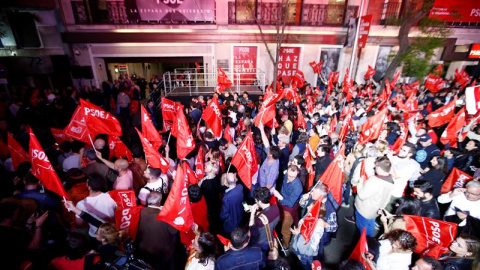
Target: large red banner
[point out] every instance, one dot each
(245, 61)
(456, 10)
(288, 63)
(365, 23)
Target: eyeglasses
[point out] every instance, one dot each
(473, 194)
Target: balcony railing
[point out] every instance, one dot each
(390, 12)
(311, 14)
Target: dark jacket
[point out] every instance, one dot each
(430, 209)
(248, 258)
(456, 263)
(232, 209)
(321, 166)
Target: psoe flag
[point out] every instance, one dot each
(472, 95)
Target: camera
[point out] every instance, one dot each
(127, 261)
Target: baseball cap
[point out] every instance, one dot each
(424, 138)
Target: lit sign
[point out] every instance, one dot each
(474, 51)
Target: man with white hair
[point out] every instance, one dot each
(232, 209)
(465, 199)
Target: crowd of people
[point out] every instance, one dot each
(398, 173)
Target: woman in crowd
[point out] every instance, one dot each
(436, 173)
(204, 250)
(405, 206)
(464, 251)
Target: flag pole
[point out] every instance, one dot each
(168, 140)
(91, 141)
(228, 169)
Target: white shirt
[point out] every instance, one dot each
(461, 202)
(71, 162)
(101, 207)
(406, 169)
(160, 185)
(392, 261)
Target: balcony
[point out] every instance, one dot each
(390, 12)
(119, 12)
(311, 14)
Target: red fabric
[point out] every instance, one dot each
(435, 252)
(197, 66)
(438, 70)
(450, 134)
(123, 198)
(372, 128)
(370, 72)
(308, 165)
(152, 156)
(134, 106)
(62, 263)
(223, 81)
(342, 134)
(411, 89)
(99, 121)
(181, 130)
(400, 140)
(226, 134)
(395, 78)
(267, 111)
(369, 91)
(363, 172)
(199, 211)
(223, 240)
(118, 149)
(149, 130)
(42, 168)
(199, 163)
(333, 175)
(168, 110)
(442, 115)
(434, 84)
(300, 119)
(299, 79)
(430, 232)
(333, 125)
(317, 68)
(127, 219)
(177, 210)
(59, 135)
(213, 116)
(310, 221)
(77, 128)
(292, 95)
(192, 178)
(18, 154)
(360, 249)
(245, 160)
(456, 179)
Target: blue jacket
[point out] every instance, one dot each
(232, 209)
(248, 258)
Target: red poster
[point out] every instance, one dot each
(288, 63)
(456, 10)
(244, 61)
(365, 23)
(474, 50)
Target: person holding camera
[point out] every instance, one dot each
(261, 213)
(466, 199)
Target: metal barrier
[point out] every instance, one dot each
(196, 79)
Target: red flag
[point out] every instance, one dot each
(310, 222)
(411, 89)
(245, 160)
(342, 134)
(17, 153)
(299, 79)
(472, 99)
(434, 84)
(300, 119)
(438, 70)
(224, 240)
(395, 78)
(370, 72)
(292, 95)
(149, 130)
(177, 211)
(77, 128)
(360, 249)
(462, 77)
(223, 81)
(333, 125)
(127, 220)
(456, 179)
(152, 156)
(371, 129)
(197, 66)
(435, 252)
(199, 163)
(400, 140)
(192, 178)
(267, 111)
(118, 149)
(168, 109)
(309, 167)
(346, 82)
(430, 232)
(333, 175)
(333, 76)
(369, 91)
(99, 121)
(42, 168)
(181, 130)
(317, 68)
(59, 135)
(213, 116)
(226, 134)
(450, 134)
(442, 115)
(123, 198)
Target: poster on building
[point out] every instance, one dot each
(171, 10)
(330, 58)
(382, 62)
(245, 63)
(365, 23)
(467, 11)
(288, 62)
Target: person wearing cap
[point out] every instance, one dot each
(425, 150)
